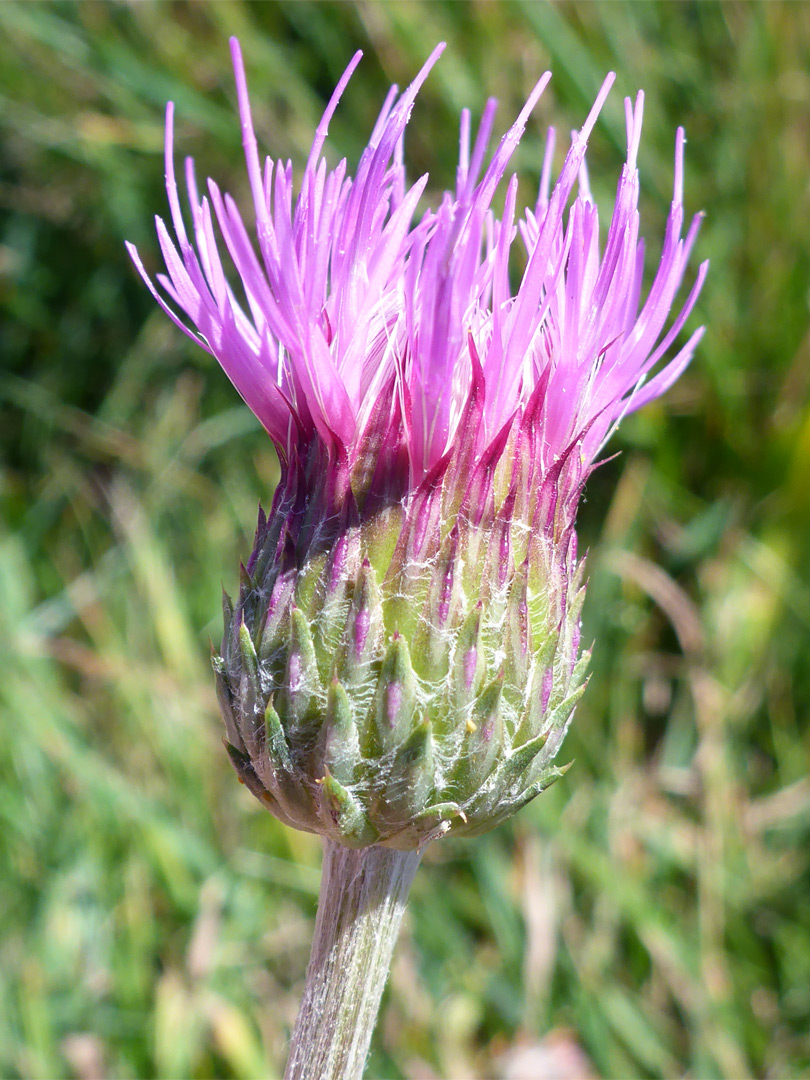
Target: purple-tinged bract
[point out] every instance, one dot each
(403, 659)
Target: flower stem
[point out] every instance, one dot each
(362, 900)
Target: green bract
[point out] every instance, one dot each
(396, 669)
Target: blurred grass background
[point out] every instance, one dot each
(650, 915)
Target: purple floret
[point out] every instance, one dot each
(358, 316)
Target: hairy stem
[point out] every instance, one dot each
(362, 899)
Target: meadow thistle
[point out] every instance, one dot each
(403, 658)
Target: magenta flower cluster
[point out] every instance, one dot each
(403, 656)
(350, 293)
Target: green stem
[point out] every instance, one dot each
(362, 899)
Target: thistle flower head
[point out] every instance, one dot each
(402, 659)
